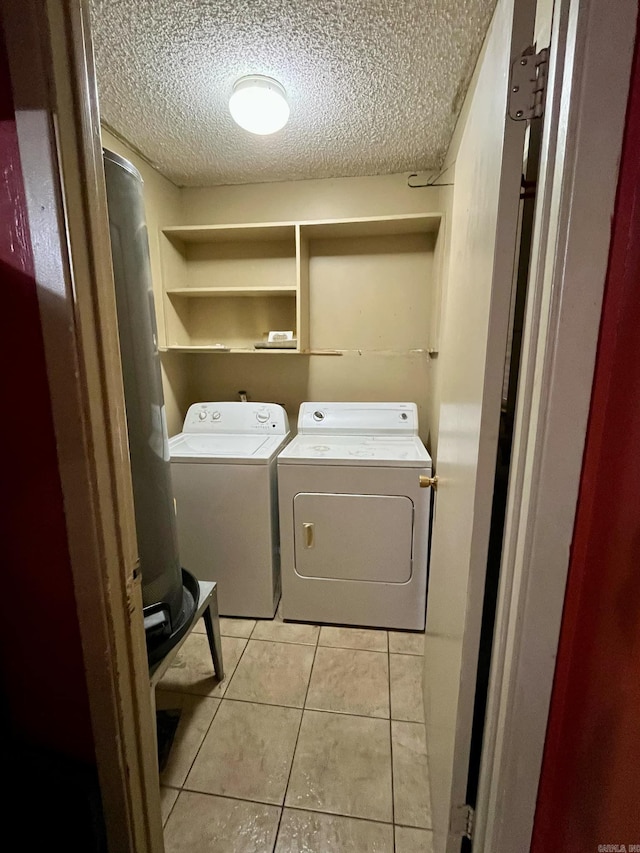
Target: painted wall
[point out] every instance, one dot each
(162, 208)
(329, 198)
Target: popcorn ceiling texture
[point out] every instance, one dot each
(374, 87)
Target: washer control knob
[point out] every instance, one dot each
(318, 415)
(215, 416)
(262, 416)
(202, 415)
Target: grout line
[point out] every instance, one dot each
(227, 698)
(280, 642)
(320, 645)
(344, 814)
(346, 713)
(305, 707)
(235, 797)
(293, 757)
(351, 649)
(235, 668)
(265, 704)
(166, 820)
(302, 809)
(294, 707)
(220, 700)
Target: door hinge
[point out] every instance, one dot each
(461, 822)
(528, 84)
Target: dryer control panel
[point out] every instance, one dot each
(233, 418)
(358, 418)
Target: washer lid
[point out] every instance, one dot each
(382, 450)
(207, 447)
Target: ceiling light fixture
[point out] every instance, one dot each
(259, 104)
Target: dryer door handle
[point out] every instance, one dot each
(308, 528)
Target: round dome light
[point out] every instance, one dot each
(259, 104)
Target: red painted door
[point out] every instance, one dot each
(42, 682)
(589, 795)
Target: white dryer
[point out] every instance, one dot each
(223, 469)
(354, 518)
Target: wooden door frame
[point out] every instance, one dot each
(581, 148)
(57, 120)
(53, 82)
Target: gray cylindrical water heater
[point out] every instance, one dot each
(167, 603)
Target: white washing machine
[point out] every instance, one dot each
(223, 468)
(354, 519)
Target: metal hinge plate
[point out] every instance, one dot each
(528, 84)
(461, 822)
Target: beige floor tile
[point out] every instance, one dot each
(236, 627)
(405, 643)
(247, 752)
(286, 632)
(195, 718)
(342, 765)
(313, 832)
(192, 670)
(411, 794)
(350, 681)
(276, 673)
(413, 840)
(353, 638)
(406, 688)
(229, 627)
(168, 797)
(200, 823)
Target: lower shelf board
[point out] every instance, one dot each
(245, 351)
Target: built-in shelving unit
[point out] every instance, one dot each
(226, 286)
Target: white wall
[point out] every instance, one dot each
(329, 198)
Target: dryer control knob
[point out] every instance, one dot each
(262, 416)
(215, 416)
(202, 415)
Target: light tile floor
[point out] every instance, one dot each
(313, 743)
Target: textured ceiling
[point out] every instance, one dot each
(374, 87)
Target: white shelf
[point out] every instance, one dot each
(245, 351)
(254, 232)
(255, 290)
(218, 264)
(373, 226)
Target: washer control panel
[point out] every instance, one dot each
(236, 418)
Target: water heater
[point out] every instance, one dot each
(168, 592)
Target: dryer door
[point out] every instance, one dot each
(353, 537)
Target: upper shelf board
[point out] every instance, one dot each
(371, 226)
